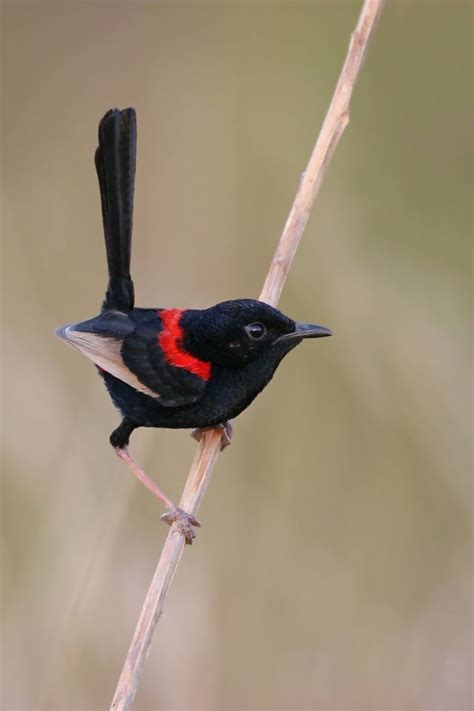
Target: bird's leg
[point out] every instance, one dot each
(136, 469)
(185, 521)
(225, 428)
(174, 514)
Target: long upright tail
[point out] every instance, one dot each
(115, 160)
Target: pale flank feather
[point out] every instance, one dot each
(105, 352)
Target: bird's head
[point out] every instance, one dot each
(234, 333)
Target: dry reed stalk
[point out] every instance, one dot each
(335, 122)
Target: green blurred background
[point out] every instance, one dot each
(333, 570)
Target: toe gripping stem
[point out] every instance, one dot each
(184, 521)
(225, 429)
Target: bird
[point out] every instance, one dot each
(171, 367)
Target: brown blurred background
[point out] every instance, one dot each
(333, 570)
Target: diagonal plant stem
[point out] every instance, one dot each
(335, 122)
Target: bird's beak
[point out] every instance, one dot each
(306, 330)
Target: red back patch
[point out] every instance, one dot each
(171, 343)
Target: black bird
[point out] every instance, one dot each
(170, 367)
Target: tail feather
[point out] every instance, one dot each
(115, 160)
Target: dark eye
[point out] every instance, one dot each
(255, 331)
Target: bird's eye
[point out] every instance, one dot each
(256, 331)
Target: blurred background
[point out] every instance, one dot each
(333, 569)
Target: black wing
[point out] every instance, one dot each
(128, 347)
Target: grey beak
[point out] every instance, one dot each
(306, 330)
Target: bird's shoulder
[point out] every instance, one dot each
(144, 348)
(153, 350)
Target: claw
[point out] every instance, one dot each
(184, 521)
(226, 433)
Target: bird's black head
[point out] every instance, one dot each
(234, 333)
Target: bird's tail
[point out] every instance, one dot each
(115, 160)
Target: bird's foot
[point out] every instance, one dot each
(225, 428)
(184, 520)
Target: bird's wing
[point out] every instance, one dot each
(152, 354)
(141, 355)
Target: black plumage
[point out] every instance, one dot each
(171, 368)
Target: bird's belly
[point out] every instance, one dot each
(224, 398)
